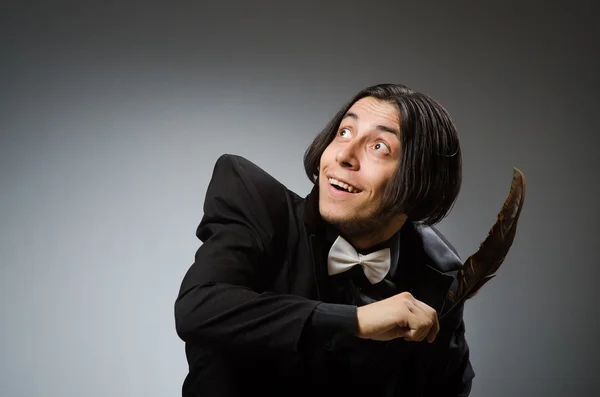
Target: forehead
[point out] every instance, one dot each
(376, 111)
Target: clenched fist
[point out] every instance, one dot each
(400, 316)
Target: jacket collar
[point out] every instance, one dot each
(312, 218)
(428, 269)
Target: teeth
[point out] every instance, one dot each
(349, 188)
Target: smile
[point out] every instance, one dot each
(339, 185)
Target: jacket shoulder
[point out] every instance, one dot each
(440, 251)
(242, 173)
(241, 192)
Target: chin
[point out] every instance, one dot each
(342, 219)
(331, 215)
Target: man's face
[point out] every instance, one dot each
(362, 158)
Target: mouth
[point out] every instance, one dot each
(343, 186)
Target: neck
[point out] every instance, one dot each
(366, 240)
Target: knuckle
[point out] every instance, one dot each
(406, 295)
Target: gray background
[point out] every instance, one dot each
(112, 116)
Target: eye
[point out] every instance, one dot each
(381, 147)
(344, 133)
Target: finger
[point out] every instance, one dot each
(395, 333)
(433, 332)
(415, 335)
(407, 334)
(418, 328)
(435, 328)
(421, 309)
(431, 314)
(424, 323)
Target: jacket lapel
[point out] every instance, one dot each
(427, 266)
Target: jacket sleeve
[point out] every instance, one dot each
(450, 373)
(223, 297)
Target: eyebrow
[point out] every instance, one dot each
(379, 127)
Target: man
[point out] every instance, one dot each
(343, 292)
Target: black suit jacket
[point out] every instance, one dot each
(245, 306)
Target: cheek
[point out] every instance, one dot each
(380, 184)
(326, 158)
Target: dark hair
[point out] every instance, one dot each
(427, 182)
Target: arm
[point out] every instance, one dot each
(223, 296)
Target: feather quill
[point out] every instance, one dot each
(482, 266)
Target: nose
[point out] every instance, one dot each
(347, 156)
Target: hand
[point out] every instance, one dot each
(400, 316)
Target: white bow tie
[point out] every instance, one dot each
(343, 256)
